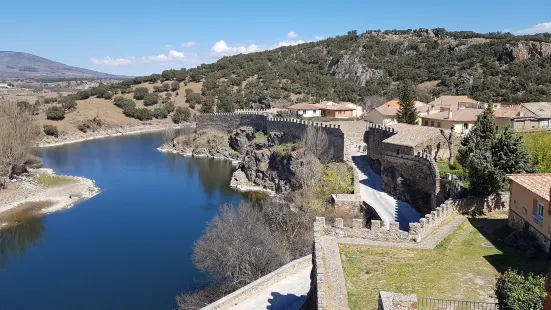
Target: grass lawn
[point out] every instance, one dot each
(463, 266)
(260, 136)
(54, 180)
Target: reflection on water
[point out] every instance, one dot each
(15, 240)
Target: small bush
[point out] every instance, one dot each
(174, 86)
(118, 99)
(180, 115)
(517, 292)
(160, 112)
(81, 95)
(169, 106)
(50, 100)
(140, 92)
(69, 105)
(55, 113)
(142, 114)
(108, 95)
(125, 103)
(90, 124)
(51, 130)
(150, 99)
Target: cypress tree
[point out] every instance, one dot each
(407, 112)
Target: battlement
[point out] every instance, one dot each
(304, 122)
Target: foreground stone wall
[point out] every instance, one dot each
(259, 120)
(395, 301)
(417, 231)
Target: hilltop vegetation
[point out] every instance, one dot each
(492, 67)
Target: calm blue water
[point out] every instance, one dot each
(130, 247)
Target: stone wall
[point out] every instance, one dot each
(259, 120)
(395, 301)
(518, 223)
(413, 178)
(347, 203)
(417, 231)
(317, 299)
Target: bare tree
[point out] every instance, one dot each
(17, 136)
(307, 169)
(449, 141)
(170, 133)
(316, 142)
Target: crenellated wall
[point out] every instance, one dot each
(410, 177)
(260, 120)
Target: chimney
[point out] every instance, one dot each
(449, 114)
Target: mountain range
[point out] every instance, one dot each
(24, 65)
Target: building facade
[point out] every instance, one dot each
(529, 205)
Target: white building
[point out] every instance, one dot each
(304, 110)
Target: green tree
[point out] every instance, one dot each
(51, 130)
(55, 113)
(150, 99)
(140, 92)
(181, 115)
(407, 112)
(517, 292)
(510, 154)
(174, 86)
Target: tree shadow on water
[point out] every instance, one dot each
(496, 231)
(285, 302)
(15, 240)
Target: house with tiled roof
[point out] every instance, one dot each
(340, 109)
(529, 207)
(460, 120)
(385, 114)
(305, 110)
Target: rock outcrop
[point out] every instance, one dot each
(526, 50)
(241, 138)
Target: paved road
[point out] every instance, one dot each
(388, 208)
(288, 293)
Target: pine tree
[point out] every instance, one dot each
(489, 155)
(407, 112)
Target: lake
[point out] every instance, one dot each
(131, 246)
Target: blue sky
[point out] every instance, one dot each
(139, 38)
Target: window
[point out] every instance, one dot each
(466, 125)
(398, 151)
(540, 209)
(426, 123)
(538, 214)
(439, 124)
(432, 123)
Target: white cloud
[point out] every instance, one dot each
(172, 56)
(189, 44)
(108, 61)
(539, 28)
(221, 47)
(289, 43)
(292, 35)
(319, 38)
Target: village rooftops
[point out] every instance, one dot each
(540, 109)
(452, 102)
(391, 108)
(330, 105)
(303, 106)
(412, 135)
(537, 183)
(467, 115)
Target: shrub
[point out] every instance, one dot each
(174, 86)
(69, 105)
(118, 99)
(55, 113)
(150, 99)
(140, 92)
(125, 103)
(160, 112)
(50, 100)
(51, 130)
(180, 115)
(90, 124)
(169, 106)
(517, 292)
(81, 95)
(142, 114)
(108, 95)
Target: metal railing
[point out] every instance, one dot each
(444, 304)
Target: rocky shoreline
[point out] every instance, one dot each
(28, 195)
(76, 137)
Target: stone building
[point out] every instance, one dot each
(405, 157)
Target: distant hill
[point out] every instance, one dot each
(492, 67)
(24, 65)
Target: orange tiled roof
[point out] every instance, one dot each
(509, 112)
(303, 106)
(537, 183)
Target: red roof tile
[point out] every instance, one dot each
(537, 183)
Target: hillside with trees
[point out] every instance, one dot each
(493, 67)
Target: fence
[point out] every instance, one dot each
(443, 304)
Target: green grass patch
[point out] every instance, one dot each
(463, 266)
(260, 136)
(54, 180)
(284, 149)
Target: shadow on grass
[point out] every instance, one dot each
(496, 230)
